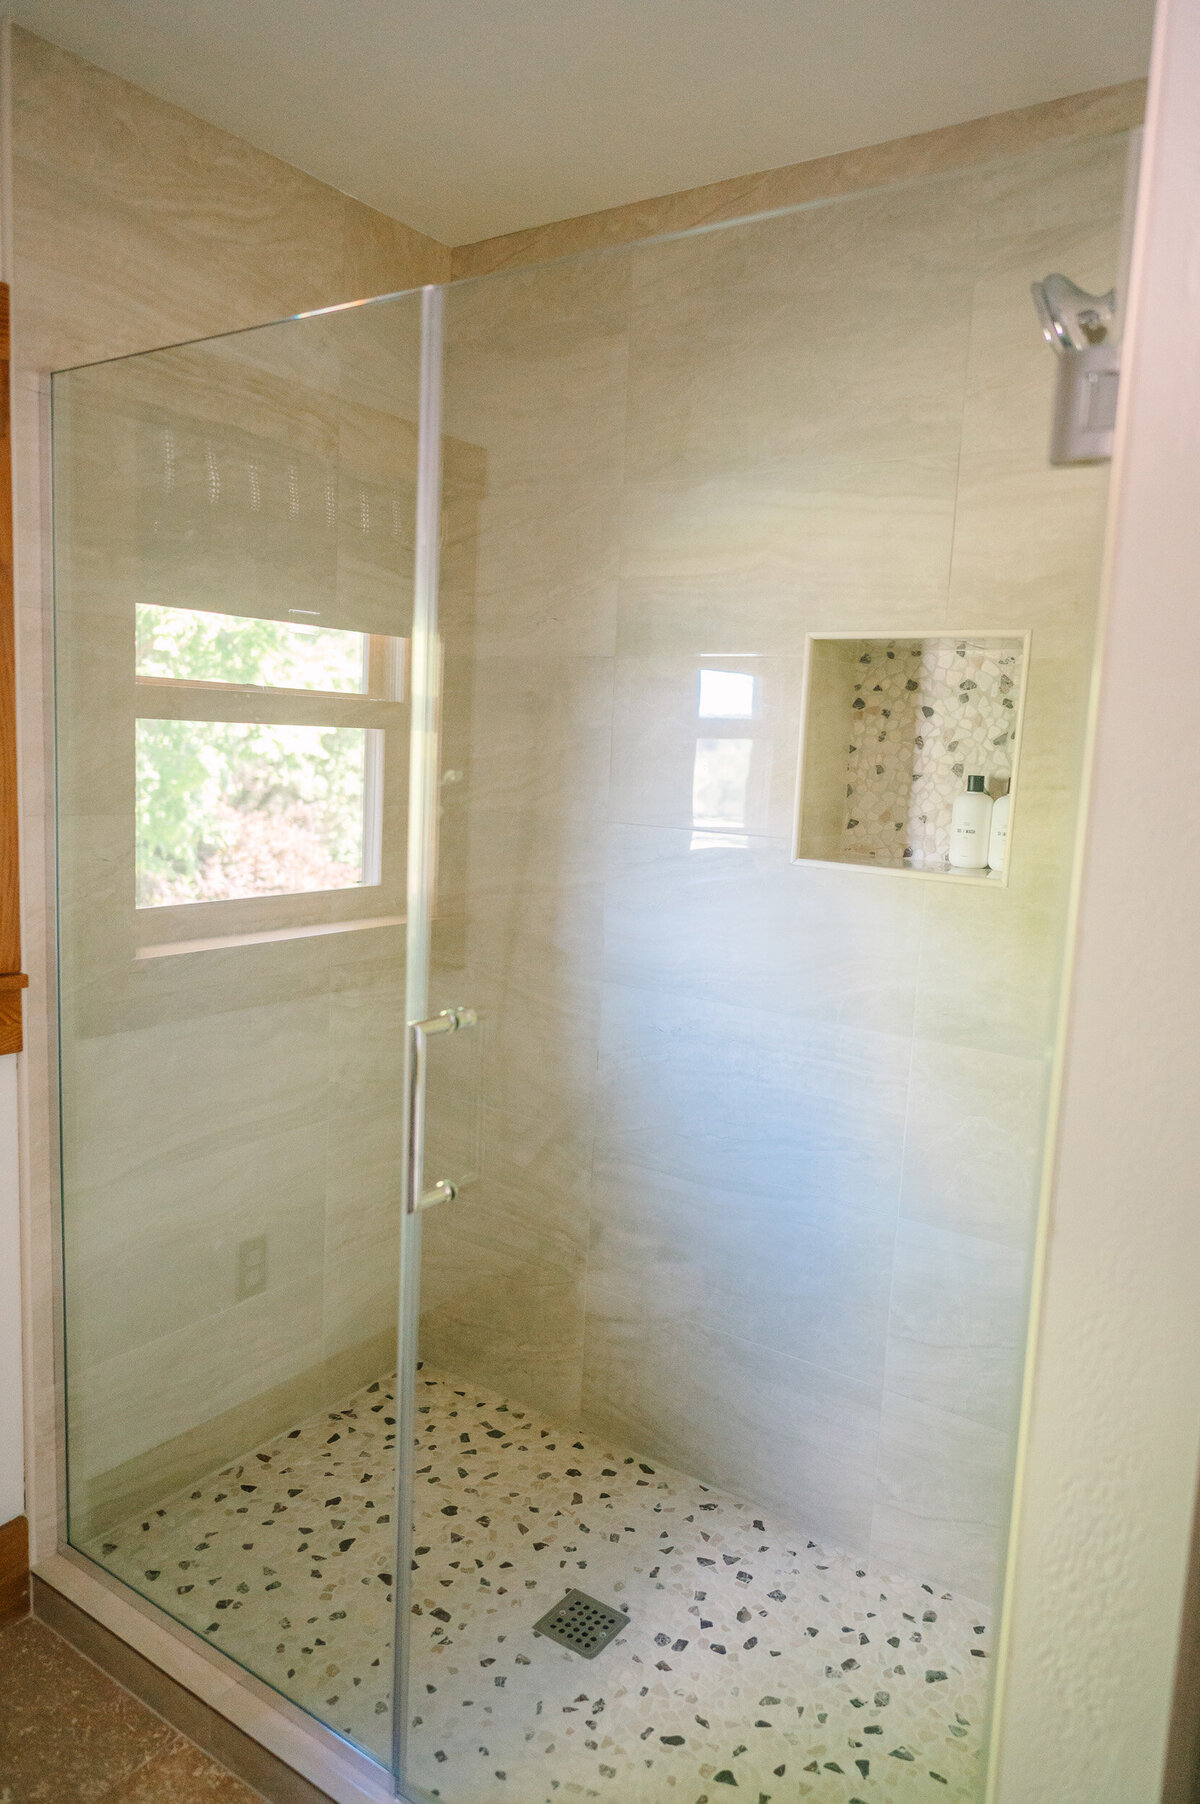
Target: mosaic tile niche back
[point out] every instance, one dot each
(907, 721)
(756, 1662)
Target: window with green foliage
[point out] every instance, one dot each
(232, 808)
(190, 645)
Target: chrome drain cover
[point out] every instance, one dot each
(582, 1623)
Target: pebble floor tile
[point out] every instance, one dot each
(756, 1662)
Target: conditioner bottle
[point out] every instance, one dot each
(969, 825)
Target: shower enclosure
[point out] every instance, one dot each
(548, 1205)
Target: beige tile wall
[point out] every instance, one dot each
(949, 148)
(136, 225)
(763, 1140)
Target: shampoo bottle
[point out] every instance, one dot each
(969, 824)
(998, 835)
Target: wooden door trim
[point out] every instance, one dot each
(12, 978)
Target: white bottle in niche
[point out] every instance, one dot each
(998, 834)
(969, 823)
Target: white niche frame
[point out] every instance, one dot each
(813, 705)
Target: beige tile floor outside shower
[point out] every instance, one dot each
(756, 1664)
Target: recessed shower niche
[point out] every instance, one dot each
(892, 728)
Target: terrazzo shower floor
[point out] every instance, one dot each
(756, 1663)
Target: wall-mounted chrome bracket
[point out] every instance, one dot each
(1083, 331)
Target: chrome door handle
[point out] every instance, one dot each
(416, 1197)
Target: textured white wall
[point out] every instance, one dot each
(1114, 1438)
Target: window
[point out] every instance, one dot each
(229, 808)
(260, 754)
(190, 645)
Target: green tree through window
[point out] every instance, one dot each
(229, 809)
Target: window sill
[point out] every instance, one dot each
(222, 942)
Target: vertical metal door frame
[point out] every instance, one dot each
(422, 865)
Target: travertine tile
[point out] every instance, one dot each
(136, 1400)
(505, 1318)
(542, 734)
(673, 766)
(811, 1113)
(156, 1249)
(695, 454)
(385, 256)
(67, 1731)
(252, 1067)
(181, 1775)
(989, 961)
(706, 1398)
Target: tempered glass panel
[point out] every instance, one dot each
(728, 1335)
(233, 564)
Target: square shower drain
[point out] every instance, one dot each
(582, 1623)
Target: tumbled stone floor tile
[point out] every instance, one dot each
(756, 1660)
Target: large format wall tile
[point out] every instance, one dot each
(671, 760)
(811, 1112)
(136, 224)
(486, 1313)
(732, 921)
(360, 1253)
(817, 1096)
(973, 1153)
(770, 1429)
(812, 1286)
(199, 1371)
(249, 1066)
(957, 1322)
(944, 1490)
(157, 1247)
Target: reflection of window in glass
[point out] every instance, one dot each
(720, 780)
(726, 695)
(731, 761)
(228, 809)
(190, 646)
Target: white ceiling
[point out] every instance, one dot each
(472, 117)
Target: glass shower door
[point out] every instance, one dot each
(443, 944)
(234, 531)
(716, 1324)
